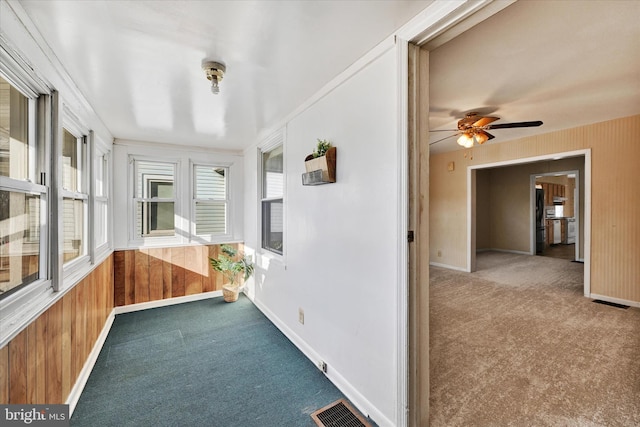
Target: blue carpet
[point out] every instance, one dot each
(205, 363)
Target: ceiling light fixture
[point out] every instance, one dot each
(214, 71)
(466, 140)
(472, 136)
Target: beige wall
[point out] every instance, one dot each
(503, 213)
(615, 209)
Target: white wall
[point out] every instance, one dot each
(122, 191)
(340, 263)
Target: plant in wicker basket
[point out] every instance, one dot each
(231, 264)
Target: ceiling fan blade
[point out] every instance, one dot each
(515, 125)
(440, 140)
(444, 130)
(484, 121)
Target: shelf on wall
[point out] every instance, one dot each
(321, 170)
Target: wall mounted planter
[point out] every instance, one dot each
(321, 170)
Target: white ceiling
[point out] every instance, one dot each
(138, 63)
(567, 63)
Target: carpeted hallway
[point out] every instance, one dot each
(517, 344)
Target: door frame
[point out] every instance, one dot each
(576, 207)
(439, 22)
(471, 205)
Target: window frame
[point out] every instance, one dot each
(20, 306)
(76, 266)
(101, 199)
(133, 200)
(273, 143)
(31, 185)
(226, 202)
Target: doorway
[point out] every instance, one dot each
(507, 202)
(557, 214)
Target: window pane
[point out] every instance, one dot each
(210, 218)
(70, 154)
(73, 237)
(19, 240)
(210, 183)
(101, 168)
(101, 222)
(155, 219)
(272, 225)
(273, 178)
(14, 132)
(154, 179)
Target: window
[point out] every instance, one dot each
(272, 195)
(210, 200)
(154, 198)
(101, 224)
(74, 196)
(22, 200)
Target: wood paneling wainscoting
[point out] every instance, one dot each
(42, 363)
(143, 275)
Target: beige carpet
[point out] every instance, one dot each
(517, 344)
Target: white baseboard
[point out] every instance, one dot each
(166, 302)
(78, 387)
(450, 267)
(359, 401)
(508, 251)
(76, 391)
(615, 300)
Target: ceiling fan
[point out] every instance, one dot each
(473, 129)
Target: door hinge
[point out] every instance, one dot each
(410, 236)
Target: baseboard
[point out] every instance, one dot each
(166, 302)
(449, 267)
(507, 251)
(615, 300)
(358, 400)
(83, 377)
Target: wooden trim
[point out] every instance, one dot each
(42, 363)
(155, 274)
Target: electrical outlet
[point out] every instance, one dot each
(301, 316)
(439, 253)
(323, 366)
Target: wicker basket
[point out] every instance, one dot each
(230, 293)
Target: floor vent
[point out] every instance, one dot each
(612, 304)
(339, 414)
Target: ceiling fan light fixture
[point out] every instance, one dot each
(214, 72)
(466, 140)
(481, 138)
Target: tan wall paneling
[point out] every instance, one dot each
(193, 256)
(155, 274)
(142, 276)
(41, 364)
(177, 272)
(615, 229)
(165, 273)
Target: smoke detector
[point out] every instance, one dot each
(215, 72)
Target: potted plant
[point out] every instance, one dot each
(231, 264)
(323, 158)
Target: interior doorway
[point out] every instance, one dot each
(486, 211)
(556, 214)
